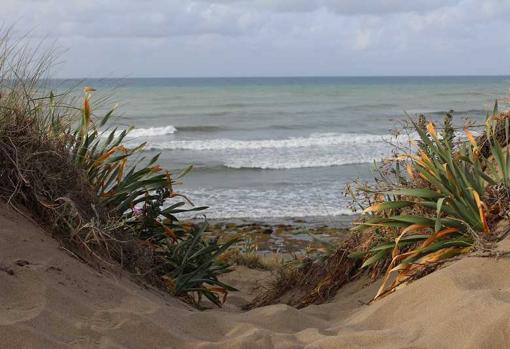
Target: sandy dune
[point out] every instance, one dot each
(48, 299)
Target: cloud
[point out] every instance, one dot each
(350, 7)
(128, 18)
(270, 37)
(163, 18)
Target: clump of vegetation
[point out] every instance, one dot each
(246, 254)
(312, 280)
(448, 201)
(441, 197)
(100, 197)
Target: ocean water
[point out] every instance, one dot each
(284, 147)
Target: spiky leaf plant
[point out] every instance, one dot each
(141, 193)
(441, 213)
(193, 263)
(80, 180)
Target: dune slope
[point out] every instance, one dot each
(48, 299)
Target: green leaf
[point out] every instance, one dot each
(414, 220)
(375, 258)
(437, 226)
(419, 193)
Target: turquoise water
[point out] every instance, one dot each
(274, 147)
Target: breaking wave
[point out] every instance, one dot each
(314, 140)
(152, 131)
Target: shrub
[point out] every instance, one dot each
(99, 196)
(441, 209)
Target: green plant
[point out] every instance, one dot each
(194, 262)
(441, 213)
(140, 196)
(99, 197)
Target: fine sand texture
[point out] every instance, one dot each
(49, 299)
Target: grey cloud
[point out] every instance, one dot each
(374, 7)
(343, 7)
(270, 37)
(129, 18)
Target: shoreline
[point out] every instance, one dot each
(310, 222)
(287, 235)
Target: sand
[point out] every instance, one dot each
(48, 299)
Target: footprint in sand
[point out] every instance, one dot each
(22, 298)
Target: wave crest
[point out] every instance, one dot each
(314, 140)
(153, 131)
(288, 164)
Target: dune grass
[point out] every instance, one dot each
(102, 198)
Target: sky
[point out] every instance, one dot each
(190, 38)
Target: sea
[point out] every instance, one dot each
(269, 148)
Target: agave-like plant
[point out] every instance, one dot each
(96, 194)
(194, 262)
(442, 213)
(139, 194)
(190, 263)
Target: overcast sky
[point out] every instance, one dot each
(160, 38)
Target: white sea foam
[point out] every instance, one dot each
(316, 150)
(295, 201)
(152, 131)
(282, 163)
(314, 140)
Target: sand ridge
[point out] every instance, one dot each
(48, 299)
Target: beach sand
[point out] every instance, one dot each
(49, 299)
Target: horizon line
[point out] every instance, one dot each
(284, 76)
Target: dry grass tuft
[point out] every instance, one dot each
(253, 260)
(301, 283)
